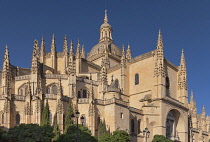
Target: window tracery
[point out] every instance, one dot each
(52, 89)
(83, 93)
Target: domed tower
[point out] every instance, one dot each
(105, 51)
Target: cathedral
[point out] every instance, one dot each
(144, 95)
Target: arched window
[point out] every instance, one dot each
(84, 93)
(2, 118)
(139, 126)
(20, 91)
(17, 119)
(23, 90)
(79, 94)
(136, 79)
(48, 90)
(132, 126)
(170, 125)
(54, 89)
(116, 83)
(167, 83)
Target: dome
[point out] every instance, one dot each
(99, 49)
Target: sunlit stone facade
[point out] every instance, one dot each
(129, 93)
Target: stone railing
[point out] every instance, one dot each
(100, 102)
(113, 89)
(111, 101)
(60, 54)
(87, 80)
(120, 102)
(50, 96)
(48, 55)
(205, 133)
(83, 100)
(24, 77)
(2, 97)
(55, 76)
(65, 98)
(19, 97)
(135, 110)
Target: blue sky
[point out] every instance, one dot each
(184, 24)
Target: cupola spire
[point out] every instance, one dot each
(106, 17)
(106, 30)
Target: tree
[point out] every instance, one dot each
(56, 130)
(160, 138)
(120, 136)
(106, 138)
(83, 132)
(68, 121)
(45, 115)
(29, 133)
(101, 129)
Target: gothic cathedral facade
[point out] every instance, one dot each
(129, 93)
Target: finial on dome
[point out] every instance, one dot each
(105, 17)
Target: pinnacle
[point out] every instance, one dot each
(160, 41)
(106, 17)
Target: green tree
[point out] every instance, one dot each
(56, 130)
(84, 134)
(120, 136)
(101, 129)
(29, 133)
(45, 115)
(160, 138)
(68, 121)
(106, 138)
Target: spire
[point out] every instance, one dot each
(128, 53)
(34, 65)
(78, 50)
(191, 97)
(123, 60)
(183, 62)
(65, 46)
(159, 58)
(182, 72)
(123, 52)
(105, 60)
(6, 61)
(106, 30)
(29, 89)
(83, 52)
(71, 48)
(160, 41)
(42, 50)
(106, 17)
(203, 112)
(53, 45)
(103, 74)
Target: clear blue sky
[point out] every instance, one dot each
(184, 24)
